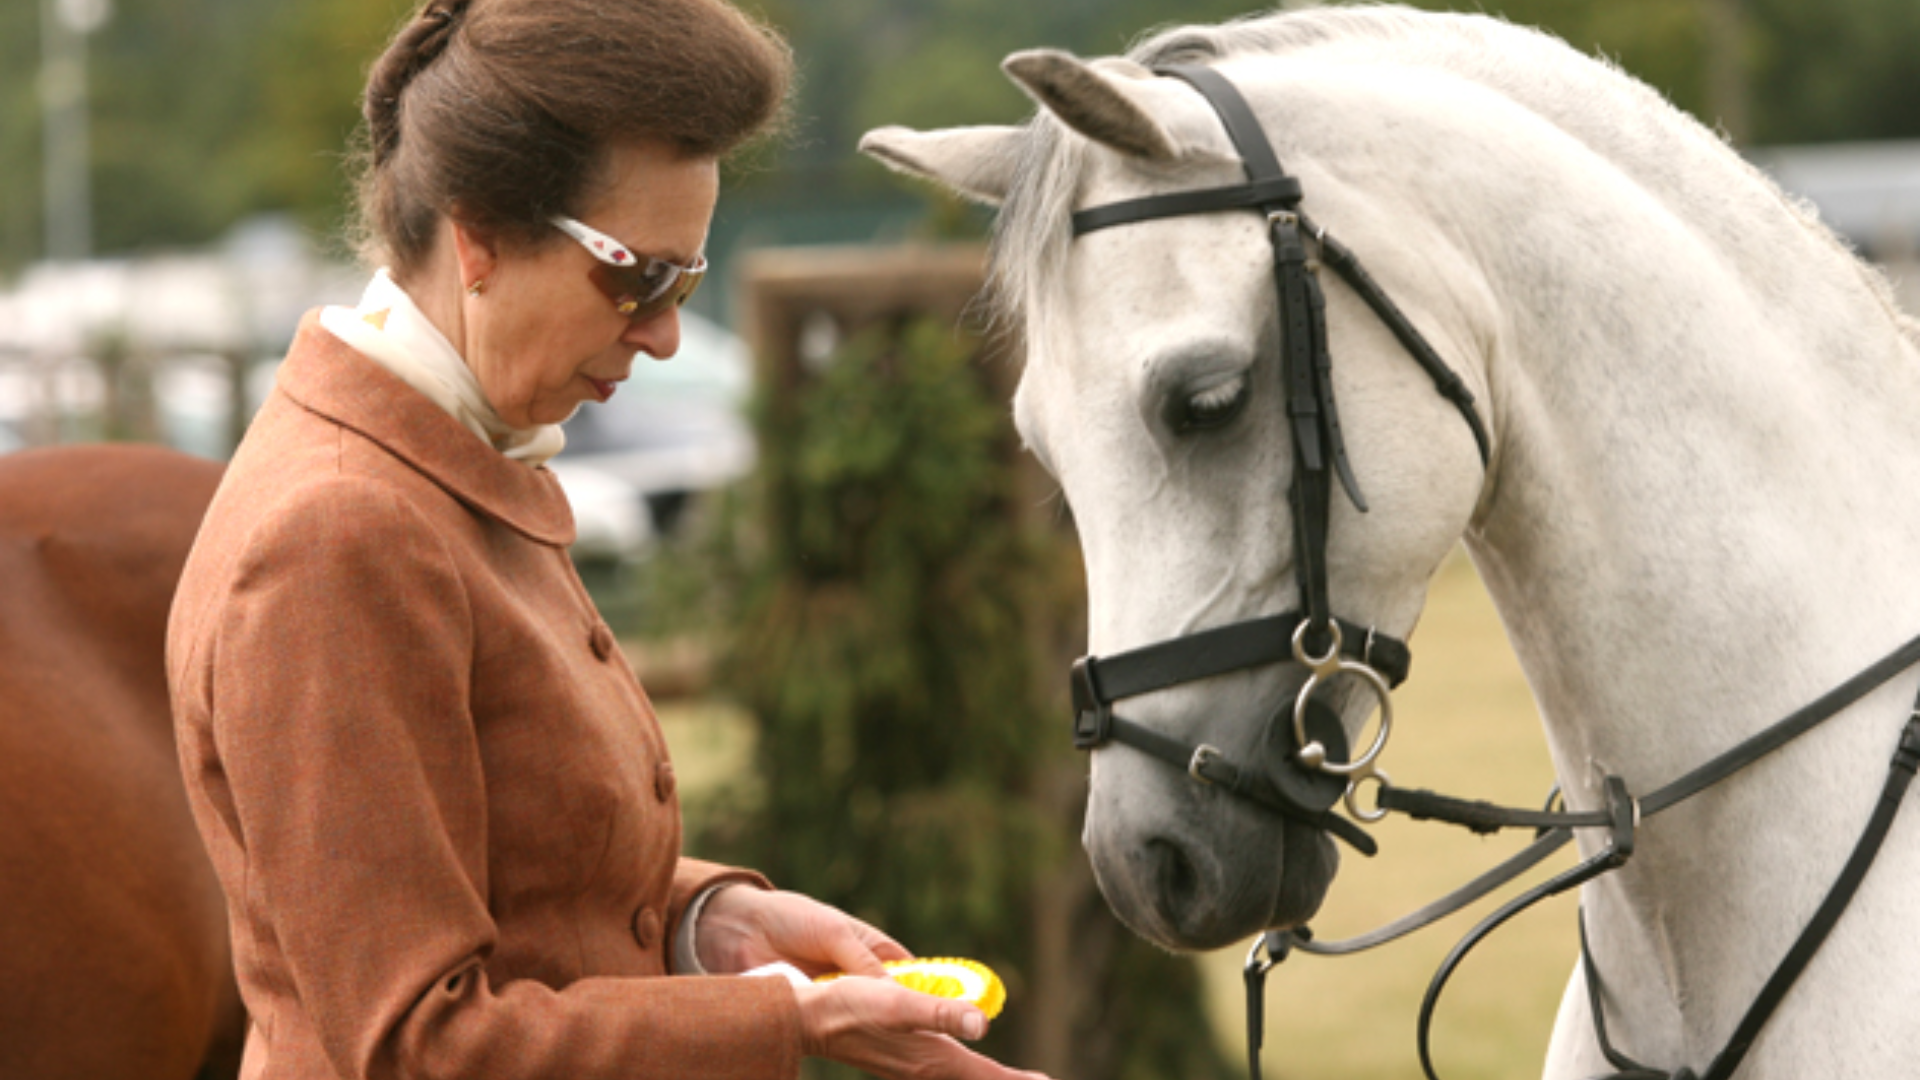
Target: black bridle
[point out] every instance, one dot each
(1314, 770)
(1307, 769)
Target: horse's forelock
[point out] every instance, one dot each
(1031, 233)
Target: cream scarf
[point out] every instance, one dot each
(391, 331)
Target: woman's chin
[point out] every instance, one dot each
(544, 413)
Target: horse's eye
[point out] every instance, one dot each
(1214, 407)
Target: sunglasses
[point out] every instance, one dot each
(640, 286)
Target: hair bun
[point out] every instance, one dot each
(444, 15)
(508, 110)
(416, 47)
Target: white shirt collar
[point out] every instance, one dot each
(389, 329)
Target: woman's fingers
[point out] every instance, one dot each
(866, 1020)
(876, 939)
(856, 948)
(813, 935)
(890, 1031)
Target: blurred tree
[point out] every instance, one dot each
(173, 96)
(20, 148)
(1836, 70)
(203, 111)
(299, 160)
(895, 608)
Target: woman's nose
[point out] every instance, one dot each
(657, 336)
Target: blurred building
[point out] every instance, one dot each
(181, 349)
(1868, 193)
(161, 348)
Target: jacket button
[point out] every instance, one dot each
(646, 927)
(602, 641)
(663, 781)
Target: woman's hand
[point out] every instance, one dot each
(743, 927)
(873, 1023)
(883, 1028)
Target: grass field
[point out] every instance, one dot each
(1464, 724)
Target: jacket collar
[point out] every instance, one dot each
(324, 376)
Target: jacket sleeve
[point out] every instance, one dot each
(342, 720)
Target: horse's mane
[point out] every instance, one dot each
(1620, 118)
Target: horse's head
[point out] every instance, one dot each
(1153, 392)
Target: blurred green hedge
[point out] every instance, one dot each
(898, 623)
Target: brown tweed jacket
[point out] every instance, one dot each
(437, 798)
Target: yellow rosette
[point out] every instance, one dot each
(948, 977)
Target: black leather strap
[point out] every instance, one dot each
(1279, 191)
(1277, 944)
(1306, 369)
(1545, 844)
(1225, 649)
(1311, 493)
(1323, 384)
(1248, 784)
(1900, 772)
(1622, 817)
(1347, 265)
(1629, 1068)
(1483, 817)
(1243, 127)
(1786, 730)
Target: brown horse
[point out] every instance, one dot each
(114, 960)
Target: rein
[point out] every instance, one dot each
(1622, 817)
(1308, 768)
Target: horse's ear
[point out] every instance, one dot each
(1104, 106)
(977, 162)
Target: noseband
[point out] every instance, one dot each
(1310, 771)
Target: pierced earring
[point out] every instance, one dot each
(479, 286)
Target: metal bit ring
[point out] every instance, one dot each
(1378, 812)
(1322, 669)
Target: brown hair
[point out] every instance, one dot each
(505, 109)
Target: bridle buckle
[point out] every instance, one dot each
(1092, 713)
(1202, 755)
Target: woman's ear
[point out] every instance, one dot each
(476, 252)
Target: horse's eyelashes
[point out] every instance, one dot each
(1214, 407)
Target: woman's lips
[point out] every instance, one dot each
(603, 388)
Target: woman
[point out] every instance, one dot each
(439, 803)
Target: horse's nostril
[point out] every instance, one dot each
(1177, 883)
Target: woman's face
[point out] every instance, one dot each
(541, 337)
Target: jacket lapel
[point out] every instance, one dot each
(326, 377)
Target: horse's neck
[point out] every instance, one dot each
(1706, 512)
(1705, 488)
(1690, 503)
